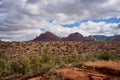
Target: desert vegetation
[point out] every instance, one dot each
(29, 59)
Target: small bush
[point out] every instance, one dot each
(3, 66)
(106, 56)
(22, 65)
(16, 67)
(36, 63)
(2, 55)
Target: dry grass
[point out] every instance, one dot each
(14, 49)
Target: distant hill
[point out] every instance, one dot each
(49, 36)
(117, 37)
(107, 38)
(89, 38)
(102, 37)
(74, 37)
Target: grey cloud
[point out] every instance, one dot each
(88, 8)
(20, 15)
(33, 1)
(71, 7)
(92, 2)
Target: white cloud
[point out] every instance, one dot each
(100, 28)
(87, 28)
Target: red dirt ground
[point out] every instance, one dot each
(90, 71)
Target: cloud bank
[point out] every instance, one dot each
(24, 19)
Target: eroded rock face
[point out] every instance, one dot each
(48, 36)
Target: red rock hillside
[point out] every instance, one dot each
(74, 37)
(48, 36)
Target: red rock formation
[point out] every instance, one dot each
(74, 37)
(48, 36)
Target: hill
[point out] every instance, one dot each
(74, 37)
(49, 36)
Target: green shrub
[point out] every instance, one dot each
(3, 66)
(36, 63)
(16, 67)
(22, 65)
(2, 55)
(106, 56)
(46, 57)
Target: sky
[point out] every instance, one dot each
(22, 20)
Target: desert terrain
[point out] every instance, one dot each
(60, 60)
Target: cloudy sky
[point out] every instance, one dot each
(25, 19)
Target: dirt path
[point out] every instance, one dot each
(81, 74)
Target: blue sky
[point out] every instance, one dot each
(22, 20)
(108, 20)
